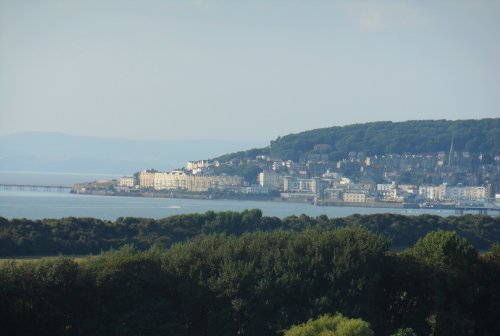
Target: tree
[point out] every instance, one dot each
(327, 325)
(447, 261)
(444, 251)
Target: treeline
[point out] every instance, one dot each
(259, 283)
(377, 138)
(81, 236)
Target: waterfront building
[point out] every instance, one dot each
(408, 188)
(146, 179)
(432, 192)
(443, 192)
(179, 180)
(270, 180)
(309, 185)
(386, 187)
(206, 183)
(127, 181)
(387, 190)
(254, 189)
(170, 180)
(354, 197)
(471, 193)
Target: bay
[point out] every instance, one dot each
(39, 205)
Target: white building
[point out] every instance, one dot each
(200, 164)
(332, 175)
(178, 179)
(471, 193)
(443, 192)
(146, 179)
(386, 187)
(270, 180)
(127, 181)
(432, 192)
(301, 185)
(354, 197)
(170, 180)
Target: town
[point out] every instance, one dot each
(440, 180)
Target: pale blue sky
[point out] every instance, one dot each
(243, 69)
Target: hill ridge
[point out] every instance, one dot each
(384, 137)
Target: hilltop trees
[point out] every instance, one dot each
(378, 138)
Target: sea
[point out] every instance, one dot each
(55, 204)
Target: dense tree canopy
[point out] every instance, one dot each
(260, 283)
(88, 235)
(377, 138)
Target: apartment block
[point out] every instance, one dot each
(127, 181)
(194, 183)
(354, 197)
(270, 180)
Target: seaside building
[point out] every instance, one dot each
(146, 179)
(179, 180)
(127, 181)
(471, 193)
(432, 192)
(301, 185)
(354, 197)
(170, 180)
(270, 180)
(443, 192)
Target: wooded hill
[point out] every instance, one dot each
(378, 138)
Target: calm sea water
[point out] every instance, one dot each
(38, 205)
(51, 178)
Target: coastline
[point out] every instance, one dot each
(277, 199)
(183, 195)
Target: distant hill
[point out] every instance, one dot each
(55, 152)
(376, 138)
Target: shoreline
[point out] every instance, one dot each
(268, 198)
(171, 195)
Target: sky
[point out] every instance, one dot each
(242, 69)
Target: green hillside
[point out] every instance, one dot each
(376, 138)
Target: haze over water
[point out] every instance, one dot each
(66, 179)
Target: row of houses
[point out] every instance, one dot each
(333, 186)
(330, 187)
(443, 192)
(179, 180)
(289, 178)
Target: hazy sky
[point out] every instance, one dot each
(243, 69)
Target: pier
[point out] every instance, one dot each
(35, 187)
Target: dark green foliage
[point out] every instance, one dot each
(405, 332)
(418, 136)
(444, 251)
(71, 235)
(282, 276)
(445, 261)
(258, 284)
